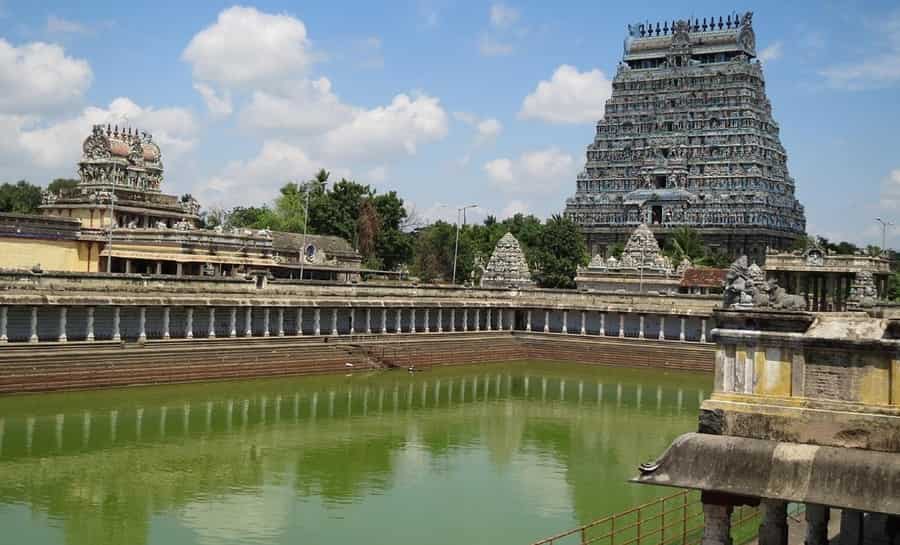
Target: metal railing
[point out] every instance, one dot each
(670, 520)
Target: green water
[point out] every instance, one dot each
(496, 454)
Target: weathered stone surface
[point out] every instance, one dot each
(507, 266)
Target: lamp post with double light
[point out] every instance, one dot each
(459, 211)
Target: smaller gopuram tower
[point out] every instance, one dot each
(688, 139)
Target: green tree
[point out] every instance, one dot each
(20, 197)
(393, 247)
(368, 225)
(290, 208)
(561, 250)
(251, 217)
(434, 253)
(686, 243)
(62, 186)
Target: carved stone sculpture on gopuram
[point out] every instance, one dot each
(688, 139)
(507, 266)
(746, 287)
(120, 157)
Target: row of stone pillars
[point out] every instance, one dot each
(374, 322)
(582, 327)
(773, 528)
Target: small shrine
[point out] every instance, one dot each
(507, 266)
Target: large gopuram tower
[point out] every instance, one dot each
(688, 139)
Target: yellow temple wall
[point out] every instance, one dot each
(52, 255)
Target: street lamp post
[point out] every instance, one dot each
(884, 226)
(461, 210)
(305, 227)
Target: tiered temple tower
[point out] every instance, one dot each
(688, 139)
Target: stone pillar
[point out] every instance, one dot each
(127, 266)
(681, 332)
(165, 322)
(398, 327)
(33, 336)
(583, 323)
(528, 320)
(641, 326)
(117, 318)
(299, 331)
(189, 323)
(452, 320)
(440, 320)
(248, 319)
(317, 321)
(621, 325)
(412, 320)
(466, 319)
(368, 320)
(334, 326)
(383, 320)
(142, 324)
(179, 269)
(662, 328)
(717, 524)
(266, 322)
(817, 524)
(851, 527)
(546, 321)
(487, 320)
(703, 330)
(499, 319)
(511, 319)
(427, 320)
(352, 321)
(159, 267)
(89, 334)
(232, 322)
(279, 317)
(773, 529)
(63, 318)
(603, 324)
(565, 326)
(212, 323)
(477, 319)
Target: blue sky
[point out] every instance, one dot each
(449, 103)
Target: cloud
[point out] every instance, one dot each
(307, 106)
(514, 207)
(489, 46)
(246, 48)
(486, 130)
(569, 97)
(890, 190)
(376, 174)
(541, 171)
(57, 145)
(879, 65)
(503, 15)
(771, 52)
(396, 128)
(218, 106)
(258, 179)
(37, 77)
(58, 25)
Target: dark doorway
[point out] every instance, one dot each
(657, 214)
(659, 182)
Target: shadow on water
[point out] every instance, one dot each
(504, 453)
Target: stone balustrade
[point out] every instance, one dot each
(138, 322)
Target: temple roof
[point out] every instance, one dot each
(725, 33)
(507, 266)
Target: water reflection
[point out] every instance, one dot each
(334, 459)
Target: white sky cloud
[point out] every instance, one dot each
(771, 52)
(58, 25)
(218, 106)
(503, 15)
(246, 47)
(58, 145)
(399, 127)
(878, 65)
(307, 106)
(514, 207)
(569, 97)
(490, 46)
(535, 172)
(890, 190)
(37, 77)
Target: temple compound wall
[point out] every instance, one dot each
(688, 139)
(806, 409)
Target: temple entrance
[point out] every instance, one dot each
(656, 214)
(659, 181)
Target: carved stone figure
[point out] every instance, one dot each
(863, 293)
(746, 287)
(507, 266)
